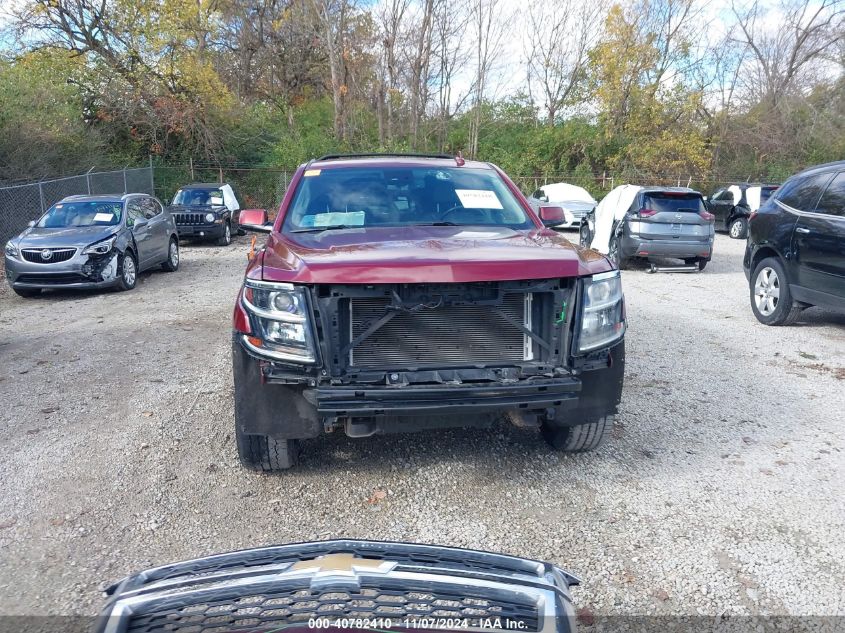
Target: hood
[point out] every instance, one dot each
(195, 207)
(76, 236)
(436, 254)
(575, 205)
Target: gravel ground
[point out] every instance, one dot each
(720, 491)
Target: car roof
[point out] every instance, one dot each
(655, 189)
(204, 185)
(748, 185)
(389, 160)
(836, 165)
(106, 197)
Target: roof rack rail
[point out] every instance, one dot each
(385, 154)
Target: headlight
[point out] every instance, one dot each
(279, 313)
(100, 248)
(11, 250)
(209, 217)
(602, 316)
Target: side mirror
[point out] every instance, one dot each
(31, 223)
(139, 223)
(552, 216)
(254, 220)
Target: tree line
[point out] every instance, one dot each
(642, 88)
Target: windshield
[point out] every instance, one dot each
(403, 196)
(198, 197)
(90, 213)
(674, 202)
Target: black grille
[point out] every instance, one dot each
(251, 611)
(52, 280)
(449, 335)
(56, 255)
(192, 219)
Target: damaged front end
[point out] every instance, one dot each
(101, 268)
(401, 357)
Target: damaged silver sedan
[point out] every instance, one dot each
(92, 242)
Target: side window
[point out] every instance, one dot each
(134, 212)
(151, 207)
(723, 195)
(803, 193)
(832, 201)
(537, 194)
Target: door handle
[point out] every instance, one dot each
(801, 229)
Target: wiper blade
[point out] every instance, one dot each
(330, 227)
(439, 224)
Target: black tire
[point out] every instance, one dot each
(171, 264)
(701, 262)
(226, 238)
(584, 235)
(738, 228)
(579, 438)
(264, 453)
(615, 255)
(782, 310)
(27, 293)
(127, 281)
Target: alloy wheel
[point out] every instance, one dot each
(736, 229)
(767, 291)
(174, 254)
(129, 271)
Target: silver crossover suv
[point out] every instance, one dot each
(92, 242)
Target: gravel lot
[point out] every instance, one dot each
(720, 491)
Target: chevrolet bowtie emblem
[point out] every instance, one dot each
(348, 563)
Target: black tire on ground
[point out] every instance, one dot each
(171, 264)
(584, 235)
(738, 228)
(27, 293)
(771, 300)
(615, 254)
(226, 238)
(264, 453)
(701, 262)
(579, 438)
(127, 281)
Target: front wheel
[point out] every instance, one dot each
(265, 453)
(128, 268)
(738, 229)
(226, 238)
(615, 254)
(771, 300)
(578, 438)
(584, 235)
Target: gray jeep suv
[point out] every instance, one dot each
(92, 242)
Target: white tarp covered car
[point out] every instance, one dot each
(575, 201)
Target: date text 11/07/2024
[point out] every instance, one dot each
(420, 623)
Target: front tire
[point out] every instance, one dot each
(584, 235)
(771, 300)
(579, 438)
(226, 238)
(264, 453)
(171, 264)
(128, 268)
(738, 229)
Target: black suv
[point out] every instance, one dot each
(206, 211)
(795, 257)
(732, 206)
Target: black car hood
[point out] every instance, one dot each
(196, 208)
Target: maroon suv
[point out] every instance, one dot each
(399, 293)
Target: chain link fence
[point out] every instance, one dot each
(20, 204)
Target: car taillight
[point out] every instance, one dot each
(706, 215)
(646, 213)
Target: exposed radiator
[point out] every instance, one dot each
(438, 337)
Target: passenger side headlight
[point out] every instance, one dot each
(100, 248)
(602, 314)
(209, 217)
(280, 315)
(11, 250)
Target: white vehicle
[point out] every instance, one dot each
(575, 201)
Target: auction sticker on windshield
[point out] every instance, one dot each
(335, 218)
(478, 199)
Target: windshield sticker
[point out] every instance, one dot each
(103, 217)
(335, 218)
(311, 172)
(478, 199)
(59, 206)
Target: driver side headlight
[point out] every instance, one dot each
(280, 315)
(100, 248)
(603, 312)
